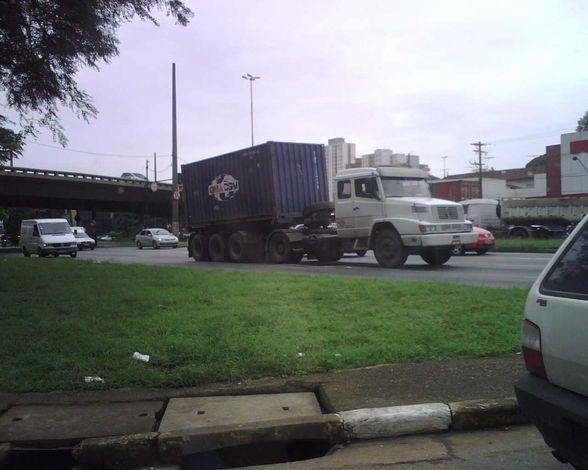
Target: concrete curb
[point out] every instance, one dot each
(377, 423)
(368, 423)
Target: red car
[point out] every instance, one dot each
(486, 241)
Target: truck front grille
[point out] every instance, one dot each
(447, 212)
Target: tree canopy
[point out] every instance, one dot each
(45, 42)
(583, 123)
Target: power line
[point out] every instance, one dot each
(93, 153)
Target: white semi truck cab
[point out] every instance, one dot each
(390, 210)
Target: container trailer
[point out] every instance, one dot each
(270, 202)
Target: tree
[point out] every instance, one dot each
(541, 160)
(45, 42)
(583, 123)
(11, 143)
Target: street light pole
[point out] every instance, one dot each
(251, 78)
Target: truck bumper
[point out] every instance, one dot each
(440, 239)
(560, 415)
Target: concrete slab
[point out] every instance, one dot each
(185, 414)
(48, 426)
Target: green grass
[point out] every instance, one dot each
(528, 244)
(62, 320)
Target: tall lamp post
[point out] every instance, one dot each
(251, 79)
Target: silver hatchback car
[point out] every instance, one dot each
(155, 238)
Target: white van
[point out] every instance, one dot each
(47, 237)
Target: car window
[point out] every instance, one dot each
(569, 275)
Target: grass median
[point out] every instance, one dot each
(529, 244)
(63, 319)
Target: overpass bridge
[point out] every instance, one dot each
(52, 189)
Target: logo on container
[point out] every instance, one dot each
(223, 187)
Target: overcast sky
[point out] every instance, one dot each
(425, 77)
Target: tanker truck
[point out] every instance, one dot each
(270, 203)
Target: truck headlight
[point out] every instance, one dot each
(427, 228)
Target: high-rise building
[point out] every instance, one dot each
(338, 154)
(388, 157)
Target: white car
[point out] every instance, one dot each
(155, 238)
(554, 392)
(83, 239)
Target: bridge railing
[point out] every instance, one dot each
(75, 176)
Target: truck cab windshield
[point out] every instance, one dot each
(54, 228)
(405, 187)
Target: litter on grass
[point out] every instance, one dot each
(93, 378)
(141, 357)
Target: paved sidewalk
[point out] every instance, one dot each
(358, 403)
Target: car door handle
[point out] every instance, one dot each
(356, 208)
(542, 302)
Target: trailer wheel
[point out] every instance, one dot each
(279, 249)
(436, 256)
(199, 248)
(388, 249)
(25, 252)
(239, 250)
(217, 247)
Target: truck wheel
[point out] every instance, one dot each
(457, 250)
(217, 247)
(388, 249)
(436, 256)
(25, 252)
(73, 254)
(238, 248)
(199, 248)
(279, 249)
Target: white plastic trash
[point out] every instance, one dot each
(93, 378)
(141, 357)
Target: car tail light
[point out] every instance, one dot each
(531, 341)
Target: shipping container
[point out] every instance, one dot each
(270, 182)
(456, 190)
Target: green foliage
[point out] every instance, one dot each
(541, 160)
(583, 123)
(45, 42)
(11, 143)
(63, 319)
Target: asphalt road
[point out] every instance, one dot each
(493, 269)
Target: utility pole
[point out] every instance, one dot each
(175, 188)
(478, 149)
(147, 169)
(444, 157)
(155, 166)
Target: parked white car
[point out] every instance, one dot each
(83, 239)
(554, 392)
(155, 238)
